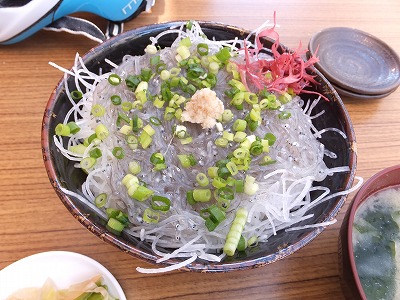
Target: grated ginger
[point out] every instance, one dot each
(203, 108)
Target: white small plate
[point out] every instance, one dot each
(64, 268)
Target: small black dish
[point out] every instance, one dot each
(356, 61)
(349, 94)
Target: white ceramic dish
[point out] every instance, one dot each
(64, 268)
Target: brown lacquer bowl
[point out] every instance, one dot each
(351, 284)
(62, 173)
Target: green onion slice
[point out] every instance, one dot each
(202, 179)
(87, 163)
(155, 121)
(114, 79)
(100, 200)
(76, 95)
(160, 203)
(115, 99)
(151, 216)
(98, 110)
(95, 153)
(118, 152)
(157, 158)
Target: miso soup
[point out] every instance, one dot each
(376, 244)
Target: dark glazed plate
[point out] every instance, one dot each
(346, 93)
(356, 61)
(62, 173)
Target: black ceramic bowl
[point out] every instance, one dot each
(62, 173)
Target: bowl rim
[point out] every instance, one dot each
(361, 196)
(196, 266)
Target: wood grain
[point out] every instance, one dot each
(33, 219)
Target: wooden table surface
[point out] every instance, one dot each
(33, 219)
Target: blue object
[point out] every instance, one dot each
(20, 19)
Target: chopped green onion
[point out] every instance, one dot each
(92, 138)
(141, 193)
(135, 123)
(145, 74)
(250, 186)
(96, 153)
(212, 172)
(265, 145)
(132, 141)
(186, 140)
(118, 152)
(185, 42)
(183, 52)
(114, 79)
(149, 130)
(256, 148)
(223, 55)
(213, 67)
(62, 130)
(284, 115)
(202, 179)
(224, 172)
(79, 148)
(115, 226)
(76, 95)
(134, 167)
(227, 115)
(239, 136)
(202, 195)
(174, 72)
(271, 138)
(252, 241)
(231, 166)
(213, 216)
(100, 200)
(132, 81)
(239, 186)
(221, 142)
(225, 193)
(126, 106)
(285, 98)
(101, 132)
(145, 139)
(228, 135)
(155, 121)
(87, 163)
(142, 86)
(150, 216)
(187, 160)
(190, 198)
(160, 203)
(267, 160)
(239, 125)
(218, 182)
(165, 75)
(235, 231)
(242, 245)
(115, 99)
(157, 158)
(202, 49)
(241, 153)
(155, 60)
(98, 110)
(189, 24)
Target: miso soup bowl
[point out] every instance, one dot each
(62, 173)
(350, 281)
